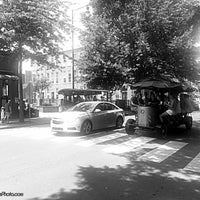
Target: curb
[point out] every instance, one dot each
(27, 123)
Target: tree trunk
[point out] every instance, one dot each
(20, 88)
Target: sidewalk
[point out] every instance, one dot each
(14, 123)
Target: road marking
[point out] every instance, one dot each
(129, 145)
(162, 152)
(93, 141)
(194, 165)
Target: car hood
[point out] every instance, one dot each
(71, 115)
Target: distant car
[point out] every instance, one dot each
(88, 116)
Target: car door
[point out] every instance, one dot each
(98, 116)
(110, 115)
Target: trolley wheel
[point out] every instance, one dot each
(130, 126)
(188, 122)
(164, 131)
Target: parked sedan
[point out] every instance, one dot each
(88, 116)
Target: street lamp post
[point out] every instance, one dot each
(73, 64)
(72, 49)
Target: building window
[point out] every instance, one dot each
(52, 95)
(64, 80)
(64, 58)
(34, 79)
(52, 77)
(56, 77)
(42, 95)
(56, 93)
(69, 78)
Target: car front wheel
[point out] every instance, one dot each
(119, 122)
(86, 127)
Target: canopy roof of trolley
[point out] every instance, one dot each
(71, 92)
(162, 84)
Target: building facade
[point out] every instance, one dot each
(56, 79)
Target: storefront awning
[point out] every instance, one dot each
(6, 76)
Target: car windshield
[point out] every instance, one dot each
(83, 107)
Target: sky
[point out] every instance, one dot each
(78, 7)
(79, 3)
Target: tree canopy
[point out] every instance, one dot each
(125, 41)
(34, 28)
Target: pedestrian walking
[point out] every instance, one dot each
(2, 114)
(8, 111)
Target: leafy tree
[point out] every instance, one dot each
(126, 41)
(33, 29)
(41, 85)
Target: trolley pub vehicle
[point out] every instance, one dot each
(148, 115)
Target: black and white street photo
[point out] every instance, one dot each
(99, 100)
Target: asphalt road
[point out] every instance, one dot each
(107, 165)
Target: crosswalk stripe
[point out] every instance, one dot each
(163, 151)
(129, 145)
(93, 141)
(194, 165)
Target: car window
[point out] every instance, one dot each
(100, 107)
(109, 106)
(83, 107)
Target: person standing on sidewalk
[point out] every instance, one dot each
(2, 114)
(8, 111)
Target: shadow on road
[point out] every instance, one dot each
(140, 180)
(133, 182)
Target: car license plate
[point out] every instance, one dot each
(57, 129)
